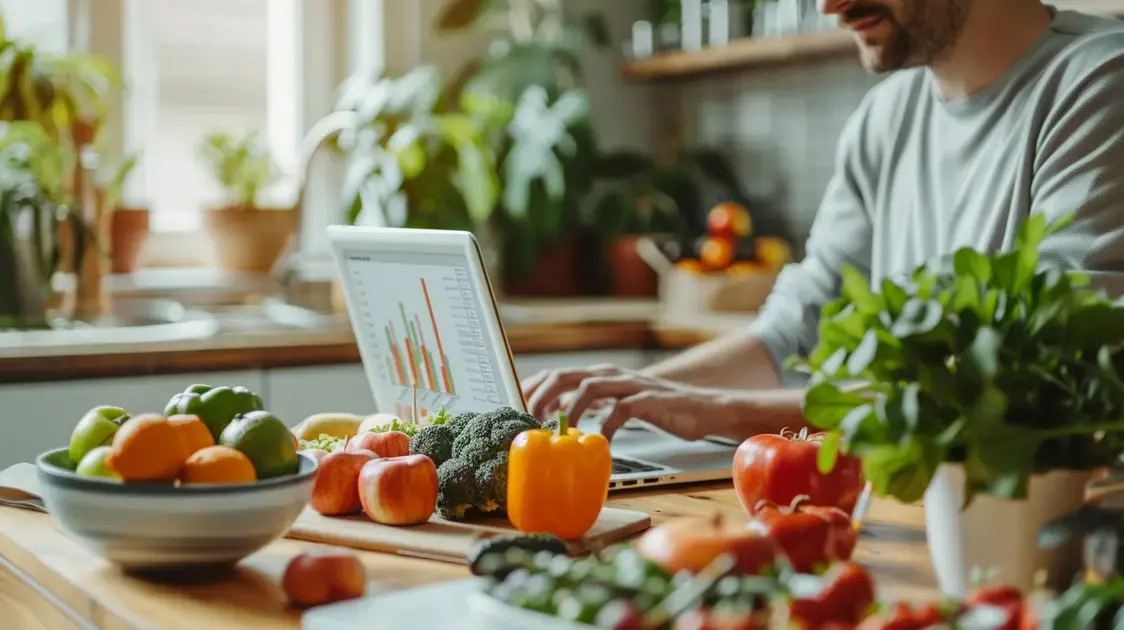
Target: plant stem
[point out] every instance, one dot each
(1082, 429)
(563, 424)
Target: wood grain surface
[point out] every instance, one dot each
(892, 545)
(450, 541)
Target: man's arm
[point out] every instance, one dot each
(788, 323)
(1080, 168)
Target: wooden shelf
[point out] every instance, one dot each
(744, 53)
(754, 52)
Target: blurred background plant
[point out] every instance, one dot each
(51, 108)
(242, 165)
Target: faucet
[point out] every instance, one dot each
(328, 128)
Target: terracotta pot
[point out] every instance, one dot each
(557, 273)
(629, 274)
(249, 239)
(962, 539)
(128, 231)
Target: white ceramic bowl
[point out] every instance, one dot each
(161, 527)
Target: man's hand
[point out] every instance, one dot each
(580, 389)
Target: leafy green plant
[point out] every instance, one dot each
(112, 180)
(33, 189)
(441, 165)
(54, 91)
(633, 195)
(980, 359)
(242, 165)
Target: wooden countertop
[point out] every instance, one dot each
(48, 581)
(275, 348)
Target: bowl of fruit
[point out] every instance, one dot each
(207, 482)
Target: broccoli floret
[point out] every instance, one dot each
(460, 421)
(435, 442)
(491, 484)
(551, 425)
(479, 447)
(456, 489)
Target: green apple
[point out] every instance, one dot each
(95, 429)
(93, 464)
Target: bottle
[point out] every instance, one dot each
(691, 35)
(718, 22)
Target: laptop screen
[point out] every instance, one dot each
(418, 319)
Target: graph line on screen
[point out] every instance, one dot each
(423, 325)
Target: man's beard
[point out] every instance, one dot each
(926, 30)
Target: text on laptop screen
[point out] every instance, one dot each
(419, 321)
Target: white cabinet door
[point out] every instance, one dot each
(40, 416)
(296, 393)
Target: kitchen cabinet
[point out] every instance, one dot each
(40, 416)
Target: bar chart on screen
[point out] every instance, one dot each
(422, 323)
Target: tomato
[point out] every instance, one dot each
(779, 468)
(730, 220)
(847, 597)
(901, 616)
(1007, 598)
(691, 543)
(811, 537)
(716, 253)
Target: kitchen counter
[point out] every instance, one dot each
(48, 581)
(248, 343)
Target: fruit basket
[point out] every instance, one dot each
(729, 269)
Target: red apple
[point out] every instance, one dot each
(336, 491)
(387, 444)
(317, 578)
(399, 490)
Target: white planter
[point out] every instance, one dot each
(997, 533)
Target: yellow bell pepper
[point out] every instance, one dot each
(557, 482)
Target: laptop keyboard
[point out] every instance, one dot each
(621, 466)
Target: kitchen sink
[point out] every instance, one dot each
(131, 321)
(281, 312)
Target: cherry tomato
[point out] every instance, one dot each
(716, 253)
(847, 597)
(811, 537)
(779, 468)
(730, 220)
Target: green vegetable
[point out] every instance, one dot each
(215, 406)
(441, 417)
(456, 489)
(402, 427)
(982, 359)
(1085, 607)
(474, 476)
(460, 421)
(435, 442)
(519, 547)
(324, 442)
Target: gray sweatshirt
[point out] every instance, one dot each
(918, 177)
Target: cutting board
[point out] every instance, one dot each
(447, 540)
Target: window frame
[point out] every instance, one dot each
(331, 44)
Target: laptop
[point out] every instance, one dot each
(430, 337)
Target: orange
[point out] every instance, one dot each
(218, 464)
(717, 253)
(193, 432)
(147, 448)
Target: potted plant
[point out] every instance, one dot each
(248, 236)
(51, 106)
(546, 151)
(127, 225)
(631, 201)
(982, 384)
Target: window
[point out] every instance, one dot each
(199, 67)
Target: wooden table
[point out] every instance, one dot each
(48, 582)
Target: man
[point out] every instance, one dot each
(1001, 108)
